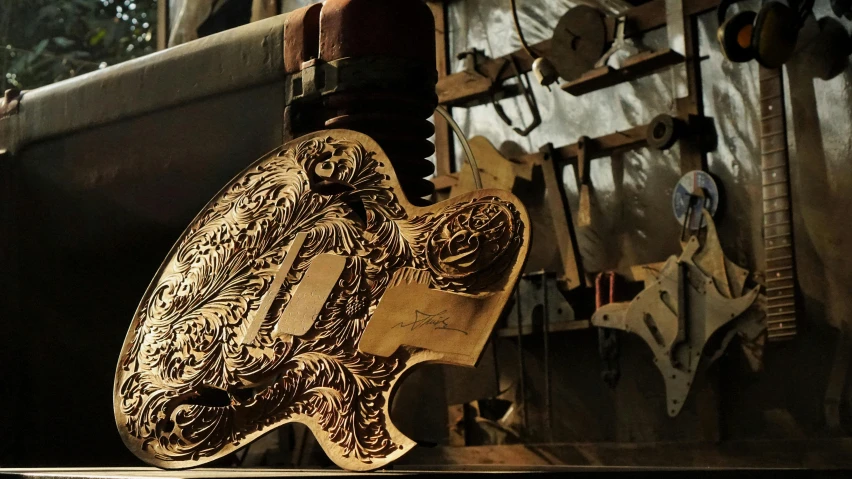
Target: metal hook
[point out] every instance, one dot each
(529, 96)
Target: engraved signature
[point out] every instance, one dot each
(437, 321)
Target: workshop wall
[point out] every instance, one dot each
(632, 218)
(633, 223)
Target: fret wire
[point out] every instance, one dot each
(783, 268)
(786, 296)
(782, 209)
(767, 164)
(776, 182)
(780, 288)
(786, 195)
(781, 153)
(781, 235)
(782, 278)
(775, 176)
(783, 223)
(784, 335)
(784, 220)
(785, 305)
(783, 190)
(767, 168)
(778, 150)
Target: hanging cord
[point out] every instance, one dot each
(465, 146)
(524, 43)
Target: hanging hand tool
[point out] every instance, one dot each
(584, 213)
(472, 58)
(529, 96)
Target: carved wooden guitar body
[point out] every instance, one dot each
(302, 292)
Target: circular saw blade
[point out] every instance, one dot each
(579, 40)
(688, 186)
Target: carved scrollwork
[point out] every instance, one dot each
(472, 245)
(189, 389)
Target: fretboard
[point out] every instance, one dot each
(777, 215)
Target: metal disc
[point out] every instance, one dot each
(579, 40)
(688, 185)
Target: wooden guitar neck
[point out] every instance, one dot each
(777, 215)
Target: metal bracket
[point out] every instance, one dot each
(471, 59)
(318, 78)
(617, 44)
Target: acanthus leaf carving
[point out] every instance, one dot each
(189, 390)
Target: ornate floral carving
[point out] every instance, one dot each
(189, 390)
(474, 243)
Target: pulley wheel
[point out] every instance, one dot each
(663, 131)
(579, 41)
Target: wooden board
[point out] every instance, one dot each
(796, 454)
